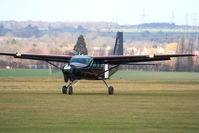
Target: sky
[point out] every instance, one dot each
(119, 11)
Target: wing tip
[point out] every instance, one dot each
(195, 54)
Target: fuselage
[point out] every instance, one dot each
(85, 67)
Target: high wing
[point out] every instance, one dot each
(125, 60)
(112, 59)
(43, 57)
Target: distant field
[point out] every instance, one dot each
(119, 75)
(150, 30)
(139, 105)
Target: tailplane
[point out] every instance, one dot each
(118, 49)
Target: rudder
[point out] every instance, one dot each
(118, 49)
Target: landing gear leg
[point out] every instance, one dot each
(110, 88)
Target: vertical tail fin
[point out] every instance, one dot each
(118, 49)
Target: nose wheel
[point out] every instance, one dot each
(67, 89)
(70, 90)
(64, 89)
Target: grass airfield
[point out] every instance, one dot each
(139, 105)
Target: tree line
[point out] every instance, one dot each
(28, 31)
(34, 31)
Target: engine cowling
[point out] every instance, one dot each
(66, 72)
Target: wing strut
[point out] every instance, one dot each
(107, 70)
(54, 65)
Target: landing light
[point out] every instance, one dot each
(151, 56)
(18, 54)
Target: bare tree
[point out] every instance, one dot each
(190, 61)
(180, 49)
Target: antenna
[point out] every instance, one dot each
(172, 17)
(143, 16)
(194, 19)
(187, 19)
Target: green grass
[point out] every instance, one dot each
(155, 75)
(119, 75)
(29, 73)
(142, 106)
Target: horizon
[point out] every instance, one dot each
(22, 21)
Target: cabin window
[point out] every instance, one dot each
(83, 60)
(98, 64)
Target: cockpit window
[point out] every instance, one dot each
(83, 60)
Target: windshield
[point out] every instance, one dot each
(81, 59)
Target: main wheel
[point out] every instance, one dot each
(110, 90)
(64, 90)
(70, 90)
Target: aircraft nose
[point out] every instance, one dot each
(70, 67)
(67, 67)
(73, 67)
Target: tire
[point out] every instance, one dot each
(70, 90)
(64, 90)
(110, 90)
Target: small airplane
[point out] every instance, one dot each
(95, 67)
